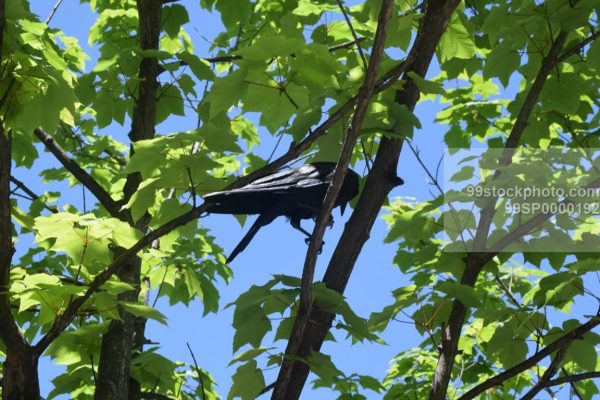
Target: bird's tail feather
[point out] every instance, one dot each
(262, 220)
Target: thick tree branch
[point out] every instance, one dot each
(475, 261)
(380, 181)
(112, 206)
(126, 336)
(62, 321)
(364, 97)
(563, 342)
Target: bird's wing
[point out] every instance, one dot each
(294, 179)
(289, 186)
(304, 177)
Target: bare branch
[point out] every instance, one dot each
(113, 207)
(549, 373)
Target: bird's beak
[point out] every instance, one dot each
(342, 208)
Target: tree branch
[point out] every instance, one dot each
(573, 378)
(353, 32)
(476, 260)
(54, 9)
(575, 49)
(380, 181)
(125, 336)
(364, 97)
(112, 206)
(549, 373)
(563, 342)
(31, 193)
(548, 63)
(362, 103)
(9, 331)
(235, 57)
(197, 371)
(62, 321)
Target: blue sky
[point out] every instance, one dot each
(211, 337)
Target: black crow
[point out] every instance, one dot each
(296, 193)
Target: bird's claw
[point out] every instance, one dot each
(307, 241)
(329, 224)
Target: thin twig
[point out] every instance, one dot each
(354, 35)
(53, 11)
(92, 367)
(574, 378)
(575, 49)
(266, 389)
(32, 194)
(197, 371)
(235, 57)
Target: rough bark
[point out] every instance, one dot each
(20, 376)
(20, 380)
(120, 340)
(475, 261)
(293, 374)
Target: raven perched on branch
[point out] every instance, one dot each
(296, 193)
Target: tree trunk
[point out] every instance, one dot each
(117, 344)
(126, 336)
(20, 380)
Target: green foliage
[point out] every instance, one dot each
(281, 72)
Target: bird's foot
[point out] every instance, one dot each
(307, 241)
(329, 223)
